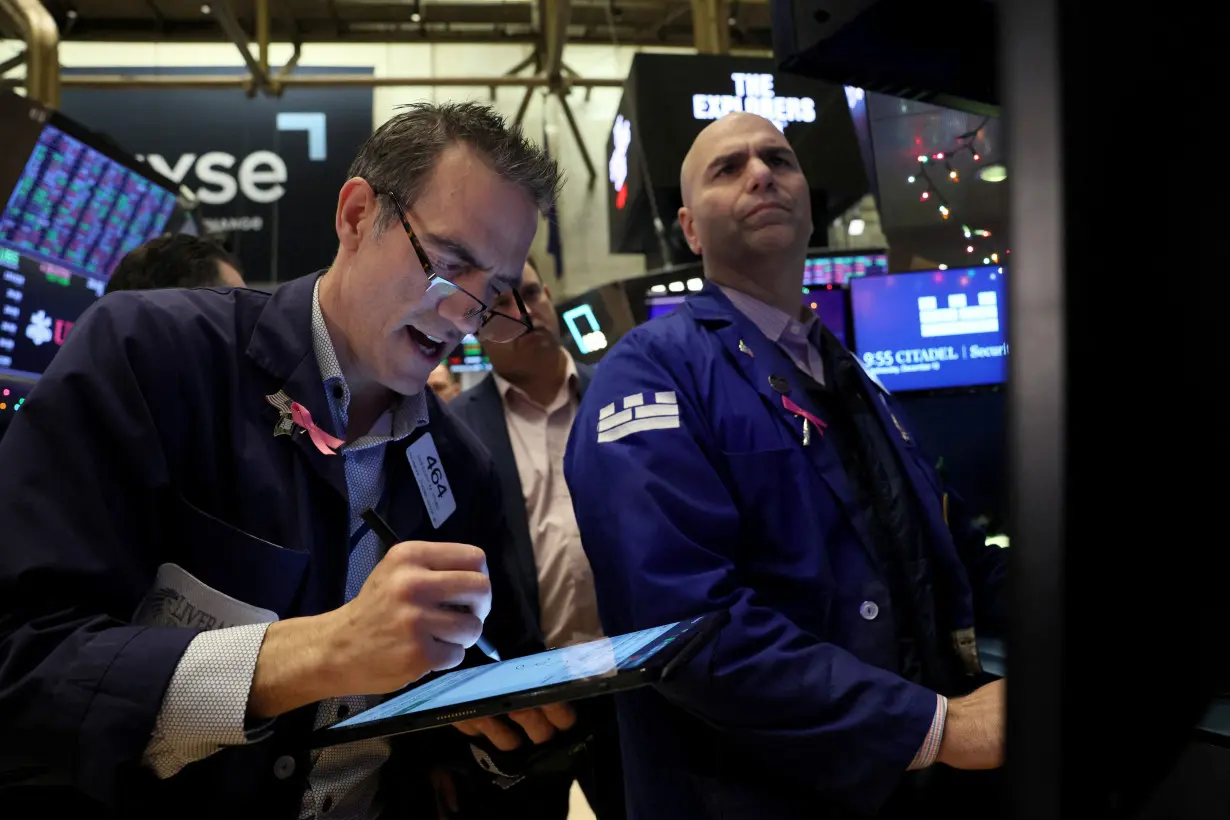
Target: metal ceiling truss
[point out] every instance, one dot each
(549, 24)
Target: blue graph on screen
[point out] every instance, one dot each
(78, 207)
(932, 330)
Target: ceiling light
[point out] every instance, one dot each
(993, 173)
(675, 287)
(206, 10)
(856, 227)
(695, 284)
(658, 289)
(415, 17)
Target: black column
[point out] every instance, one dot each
(1117, 434)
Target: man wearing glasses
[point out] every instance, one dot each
(186, 586)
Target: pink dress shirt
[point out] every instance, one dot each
(567, 602)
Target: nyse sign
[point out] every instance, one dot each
(266, 170)
(260, 175)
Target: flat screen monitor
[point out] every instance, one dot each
(932, 330)
(468, 357)
(828, 268)
(80, 208)
(829, 304)
(39, 305)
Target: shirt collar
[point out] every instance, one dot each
(409, 412)
(571, 379)
(773, 323)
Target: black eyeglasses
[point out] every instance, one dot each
(493, 325)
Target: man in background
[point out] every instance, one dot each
(523, 414)
(176, 261)
(444, 383)
(733, 456)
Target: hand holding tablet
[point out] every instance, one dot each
(539, 724)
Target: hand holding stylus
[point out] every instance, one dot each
(389, 538)
(419, 610)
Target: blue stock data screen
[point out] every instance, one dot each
(932, 330)
(77, 207)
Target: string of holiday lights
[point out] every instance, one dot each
(966, 143)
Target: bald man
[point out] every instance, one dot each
(733, 456)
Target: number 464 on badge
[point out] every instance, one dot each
(432, 480)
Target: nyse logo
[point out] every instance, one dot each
(259, 176)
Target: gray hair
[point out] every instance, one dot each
(401, 154)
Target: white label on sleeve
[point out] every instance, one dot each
(433, 483)
(178, 598)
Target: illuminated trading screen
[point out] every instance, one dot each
(77, 207)
(838, 270)
(39, 304)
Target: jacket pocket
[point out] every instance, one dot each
(236, 563)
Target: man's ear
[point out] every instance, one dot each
(689, 231)
(358, 208)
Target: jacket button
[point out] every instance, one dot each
(869, 610)
(283, 767)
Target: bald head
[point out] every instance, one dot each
(744, 196)
(717, 136)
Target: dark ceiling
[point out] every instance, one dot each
(630, 22)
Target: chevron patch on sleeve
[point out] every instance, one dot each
(636, 414)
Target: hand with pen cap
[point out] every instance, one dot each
(420, 609)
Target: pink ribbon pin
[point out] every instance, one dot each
(324, 442)
(799, 411)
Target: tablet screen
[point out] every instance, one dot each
(573, 663)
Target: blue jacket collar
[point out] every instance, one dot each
(282, 338)
(711, 305)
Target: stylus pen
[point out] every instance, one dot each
(389, 538)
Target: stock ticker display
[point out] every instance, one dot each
(39, 304)
(838, 270)
(76, 207)
(933, 330)
(468, 357)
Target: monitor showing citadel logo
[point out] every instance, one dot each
(621, 139)
(753, 93)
